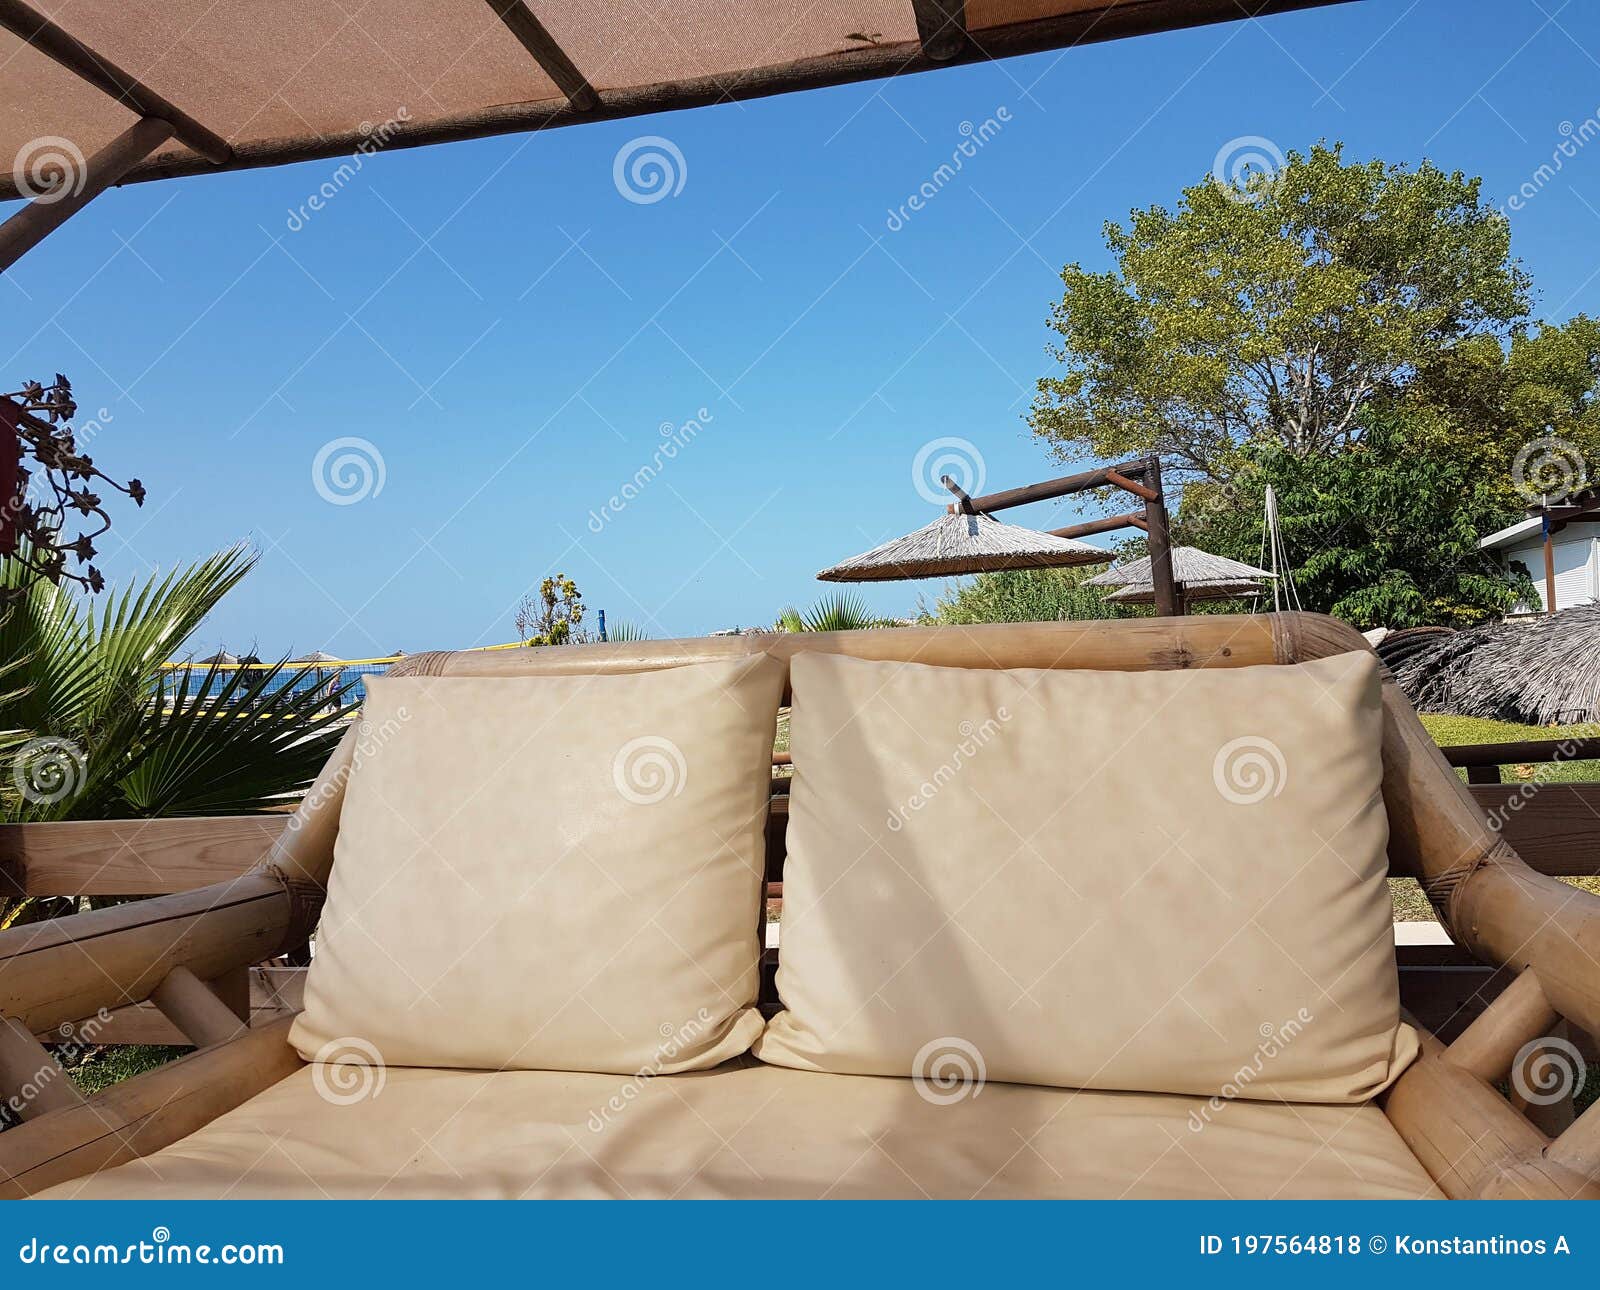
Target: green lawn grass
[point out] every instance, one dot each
(1410, 905)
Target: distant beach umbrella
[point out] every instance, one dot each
(1199, 575)
(221, 659)
(316, 656)
(963, 543)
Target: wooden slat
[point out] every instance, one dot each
(26, 22)
(520, 21)
(1522, 752)
(131, 857)
(941, 28)
(1554, 827)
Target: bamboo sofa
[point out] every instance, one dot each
(1444, 1118)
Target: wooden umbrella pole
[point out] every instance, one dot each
(964, 504)
(1168, 604)
(49, 211)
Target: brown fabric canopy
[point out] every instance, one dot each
(957, 544)
(292, 80)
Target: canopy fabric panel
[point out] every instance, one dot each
(295, 80)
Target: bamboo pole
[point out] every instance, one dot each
(49, 211)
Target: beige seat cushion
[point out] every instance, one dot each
(1159, 881)
(760, 1131)
(555, 873)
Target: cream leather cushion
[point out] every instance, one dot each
(555, 873)
(1162, 881)
(755, 1132)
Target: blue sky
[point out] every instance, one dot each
(511, 334)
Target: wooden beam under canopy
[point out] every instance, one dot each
(941, 28)
(522, 24)
(49, 211)
(27, 23)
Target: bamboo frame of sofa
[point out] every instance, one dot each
(1471, 1140)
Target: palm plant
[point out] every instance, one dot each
(844, 611)
(85, 728)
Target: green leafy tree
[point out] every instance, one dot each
(1278, 316)
(1382, 534)
(554, 616)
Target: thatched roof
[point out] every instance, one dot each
(956, 544)
(1201, 575)
(266, 84)
(316, 656)
(1534, 671)
(221, 659)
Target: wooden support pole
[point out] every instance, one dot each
(1549, 565)
(1133, 519)
(1167, 602)
(941, 27)
(522, 24)
(49, 211)
(26, 22)
(190, 1004)
(963, 504)
(1487, 1047)
(30, 1078)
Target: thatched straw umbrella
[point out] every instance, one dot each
(963, 543)
(1542, 672)
(1199, 575)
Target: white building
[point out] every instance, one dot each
(1574, 551)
